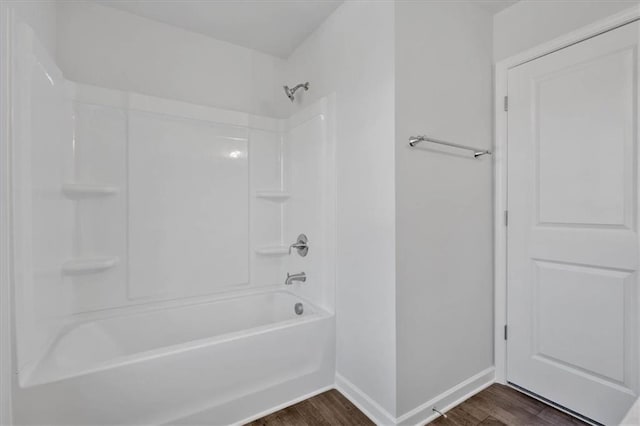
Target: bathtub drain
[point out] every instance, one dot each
(299, 308)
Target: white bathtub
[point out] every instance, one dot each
(218, 362)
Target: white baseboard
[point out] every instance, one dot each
(448, 399)
(423, 413)
(418, 416)
(368, 406)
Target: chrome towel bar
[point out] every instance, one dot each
(414, 140)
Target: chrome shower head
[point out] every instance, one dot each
(290, 92)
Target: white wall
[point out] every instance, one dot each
(109, 48)
(351, 55)
(443, 202)
(530, 23)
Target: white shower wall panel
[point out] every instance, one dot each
(188, 206)
(154, 151)
(266, 175)
(99, 147)
(309, 178)
(184, 219)
(41, 127)
(99, 143)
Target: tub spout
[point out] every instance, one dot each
(302, 277)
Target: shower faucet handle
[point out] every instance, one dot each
(300, 277)
(301, 245)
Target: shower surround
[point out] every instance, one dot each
(152, 247)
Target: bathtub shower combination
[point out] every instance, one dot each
(173, 261)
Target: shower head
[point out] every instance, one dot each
(290, 92)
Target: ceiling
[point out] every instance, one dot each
(275, 27)
(495, 6)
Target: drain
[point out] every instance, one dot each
(298, 308)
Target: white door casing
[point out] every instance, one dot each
(573, 244)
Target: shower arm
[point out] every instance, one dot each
(290, 92)
(299, 86)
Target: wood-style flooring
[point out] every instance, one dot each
(497, 405)
(501, 405)
(327, 409)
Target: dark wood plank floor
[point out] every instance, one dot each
(497, 405)
(501, 405)
(327, 409)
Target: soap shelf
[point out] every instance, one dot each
(273, 195)
(89, 265)
(272, 250)
(76, 190)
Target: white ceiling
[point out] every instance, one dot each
(495, 6)
(276, 27)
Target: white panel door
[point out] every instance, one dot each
(573, 221)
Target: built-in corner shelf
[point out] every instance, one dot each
(273, 195)
(272, 250)
(89, 265)
(76, 190)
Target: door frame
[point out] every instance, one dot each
(502, 68)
